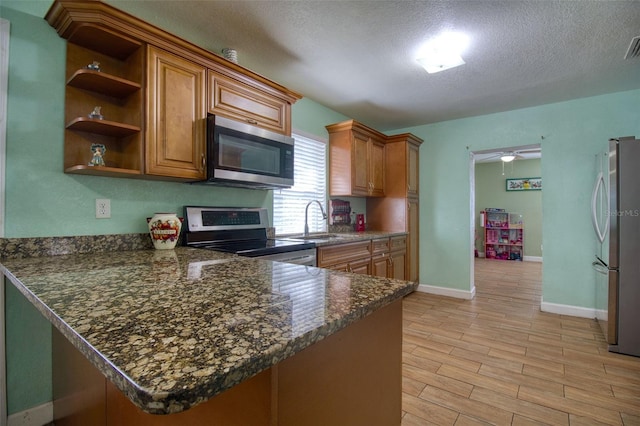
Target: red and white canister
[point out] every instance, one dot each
(165, 230)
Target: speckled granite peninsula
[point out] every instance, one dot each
(172, 329)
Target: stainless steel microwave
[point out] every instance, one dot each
(240, 154)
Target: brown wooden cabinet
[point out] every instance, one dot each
(239, 101)
(380, 260)
(356, 160)
(398, 211)
(398, 257)
(348, 257)
(381, 257)
(116, 89)
(413, 243)
(377, 169)
(162, 136)
(176, 118)
(413, 177)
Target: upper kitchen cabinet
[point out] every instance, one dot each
(402, 165)
(233, 99)
(356, 160)
(103, 98)
(151, 90)
(176, 119)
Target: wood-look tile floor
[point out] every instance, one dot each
(499, 360)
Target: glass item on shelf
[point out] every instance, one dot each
(94, 66)
(96, 113)
(98, 151)
(164, 229)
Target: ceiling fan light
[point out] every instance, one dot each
(507, 157)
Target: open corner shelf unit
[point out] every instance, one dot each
(117, 89)
(503, 235)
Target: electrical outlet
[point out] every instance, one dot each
(103, 208)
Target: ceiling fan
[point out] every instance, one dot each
(511, 155)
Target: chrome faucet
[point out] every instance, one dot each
(306, 215)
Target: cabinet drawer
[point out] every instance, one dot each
(398, 243)
(358, 266)
(241, 102)
(380, 245)
(343, 253)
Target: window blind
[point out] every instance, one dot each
(309, 174)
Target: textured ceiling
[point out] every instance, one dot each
(358, 57)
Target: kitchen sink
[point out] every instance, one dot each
(318, 236)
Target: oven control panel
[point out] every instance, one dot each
(218, 219)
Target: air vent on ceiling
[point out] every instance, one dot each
(634, 48)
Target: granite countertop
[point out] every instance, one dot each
(173, 328)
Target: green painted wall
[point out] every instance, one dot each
(573, 132)
(491, 192)
(42, 201)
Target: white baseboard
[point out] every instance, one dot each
(34, 416)
(602, 315)
(573, 311)
(451, 292)
(525, 258)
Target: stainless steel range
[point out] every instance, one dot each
(242, 231)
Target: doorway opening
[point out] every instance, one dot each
(514, 187)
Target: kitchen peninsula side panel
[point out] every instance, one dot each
(353, 376)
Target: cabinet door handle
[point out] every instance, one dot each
(251, 121)
(204, 162)
(349, 268)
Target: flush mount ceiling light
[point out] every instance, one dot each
(442, 52)
(508, 157)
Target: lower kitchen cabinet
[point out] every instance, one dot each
(349, 257)
(380, 262)
(398, 257)
(381, 257)
(359, 266)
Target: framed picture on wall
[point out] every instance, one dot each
(524, 184)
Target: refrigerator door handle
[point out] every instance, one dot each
(600, 268)
(600, 185)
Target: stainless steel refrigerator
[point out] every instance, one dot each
(616, 220)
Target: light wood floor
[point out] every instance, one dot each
(498, 360)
